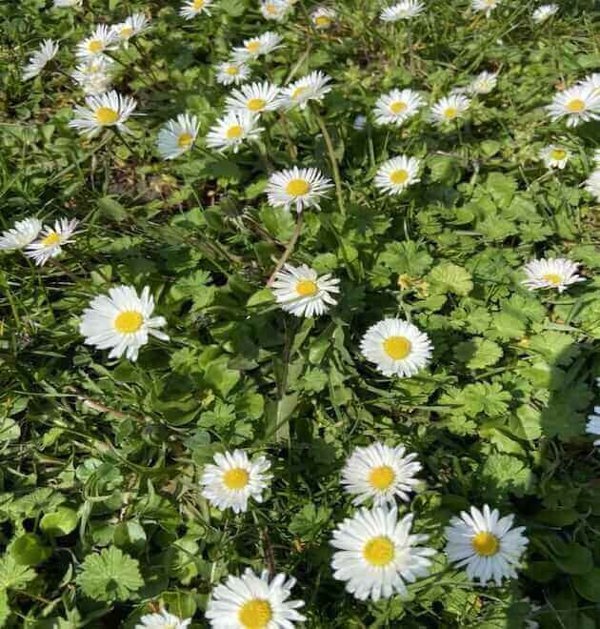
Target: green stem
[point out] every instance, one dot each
(288, 250)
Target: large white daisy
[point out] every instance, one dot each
(51, 240)
(177, 136)
(100, 41)
(313, 86)
(450, 108)
(404, 10)
(578, 104)
(254, 98)
(191, 8)
(297, 187)
(557, 273)
(163, 620)
(47, 50)
(22, 234)
(101, 111)
(593, 425)
(397, 106)
(234, 128)
(395, 175)
(256, 46)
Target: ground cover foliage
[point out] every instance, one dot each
(101, 514)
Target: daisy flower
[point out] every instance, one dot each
(360, 122)
(93, 76)
(121, 321)
(554, 156)
(301, 292)
(232, 129)
(105, 110)
(313, 86)
(256, 46)
(322, 17)
(102, 39)
(551, 273)
(380, 473)
(593, 425)
(192, 8)
(485, 6)
(299, 187)
(404, 10)
(397, 347)
(450, 108)
(274, 9)
(395, 175)
(578, 103)
(163, 620)
(377, 555)
(397, 106)
(132, 26)
(252, 602)
(67, 3)
(49, 244)
(483, 83)
(485, 544)
(543, 12)
(22, 234)
(592, 184)
(177, 136)
(231, 72)
(254, 98)
(47, 50)
(234, 479)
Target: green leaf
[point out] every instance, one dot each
(14, 576)
(588, 585)
(4, 608)
(478, 353)
(28, 550)
(572, 558)
(61, 522)
(503, 474)
(450, 278)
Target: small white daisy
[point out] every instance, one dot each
(485, 6)
(63, 4)
(543, 12)
(105, 110)
(313, 86)
(360, 122)
(132, 26)
(192, 8)
(102, 39)
(397, 347)
(254, 98)
(377, 555)
(556, 273)
(274, 9)
(593, 425)
(380, 473)
(578, 103)
(301, 292)
(252, 602)
(485, 544)
(232, 129)
(450, 108)
(232, 72)
(121, 321)
(322, 17)
(93, 76)
(22, 234)
(50, 242)
(397, 106)
(47, 50)
(299, 187)
(256, 46)
(163, 620)
(483, 83)
(555, 156)
(177, 136)
(234, 479)
(592, 184)
(395, 175)
(404, 10)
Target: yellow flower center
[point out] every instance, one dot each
(128, 321)
(576, 105)
(397, 347)
(256, 104)
(558, 154)
(95, 46)
(322, 21)
(255, 614)
(552, 278)
(398, 176)
(297, 93)
(51, 239)
(297, 187)
(126, 31)
(271, 9)
(450, 113)
(397, 107)
(307, 288)
(106, 115)
(236, 478)
(198, 4)
(253, 46)
(381, 477)
(185, 140)
(234, 132)
(379, 551)
(485, 544)
(231, 70)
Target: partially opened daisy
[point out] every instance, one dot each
(557, 273)
(397, 106)
(450, 108)
(404, 10)
(313, 86)
(578, 104)
(51, 240)
(22, 234)
(298, 188)
(191, 8)
(252, 602)
(105, 110)
(102, 39)
(380, 473)
(543, 12)
(322, 17)
(177, 136)
(395, 175)
(233, 479)
(232, 72)
(121, 321)
(254, 98)
(483, 83)
(302, 292)
(593, 425)
(377, 554)
(484, 6)
(163, 620)
(93, 76)
(234, 128)
(256, 46)
(397, 347)
(555, 156)
(47, 50)
(592, 184)
(485, 544)
(274, 9)
(132, 26)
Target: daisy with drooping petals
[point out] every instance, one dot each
(484, 6)
(232, 72)
(397, 106)
(234, 128)
(93, 76)
(301, 292)
(377, 555)
(485, 544)
(121, 321)
(256, 46)
(132, 26)
(102, 39)
(404, 10)
(299, 187)
(483, 83)
(395, 175)
(542, 13)
(380, 473)
(322, 17)
(254, 98)
(592, 184)
(177, 136)
(38, 60)
(554, 156)
(192, 8)
(274, 9)
(51, 241)
(593, 425)
(313, 86)
(397, 347)
(105, 110)
(252, 602)
(578, 103)
(556, 273)
(22, 234)
(450, 108)
(163, 620)
(234, 479)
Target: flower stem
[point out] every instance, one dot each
(288, 250)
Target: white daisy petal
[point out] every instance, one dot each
(395, 175)
(255, 98)
(580, 103)
(593, 425)
(255, 47)
(450, 108)
(485, 6)
(554, 156)
(234, 128)
(38, 60)
(543, 12)
(102, 40)
(556, 273)
(105, 110)
(177, 136)
(404, 10)
(297, 187)
(192, 8)
(232, 72)
(162, 620)
(397, 106)
(51, 241)
(313, 86)
(22, 234)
